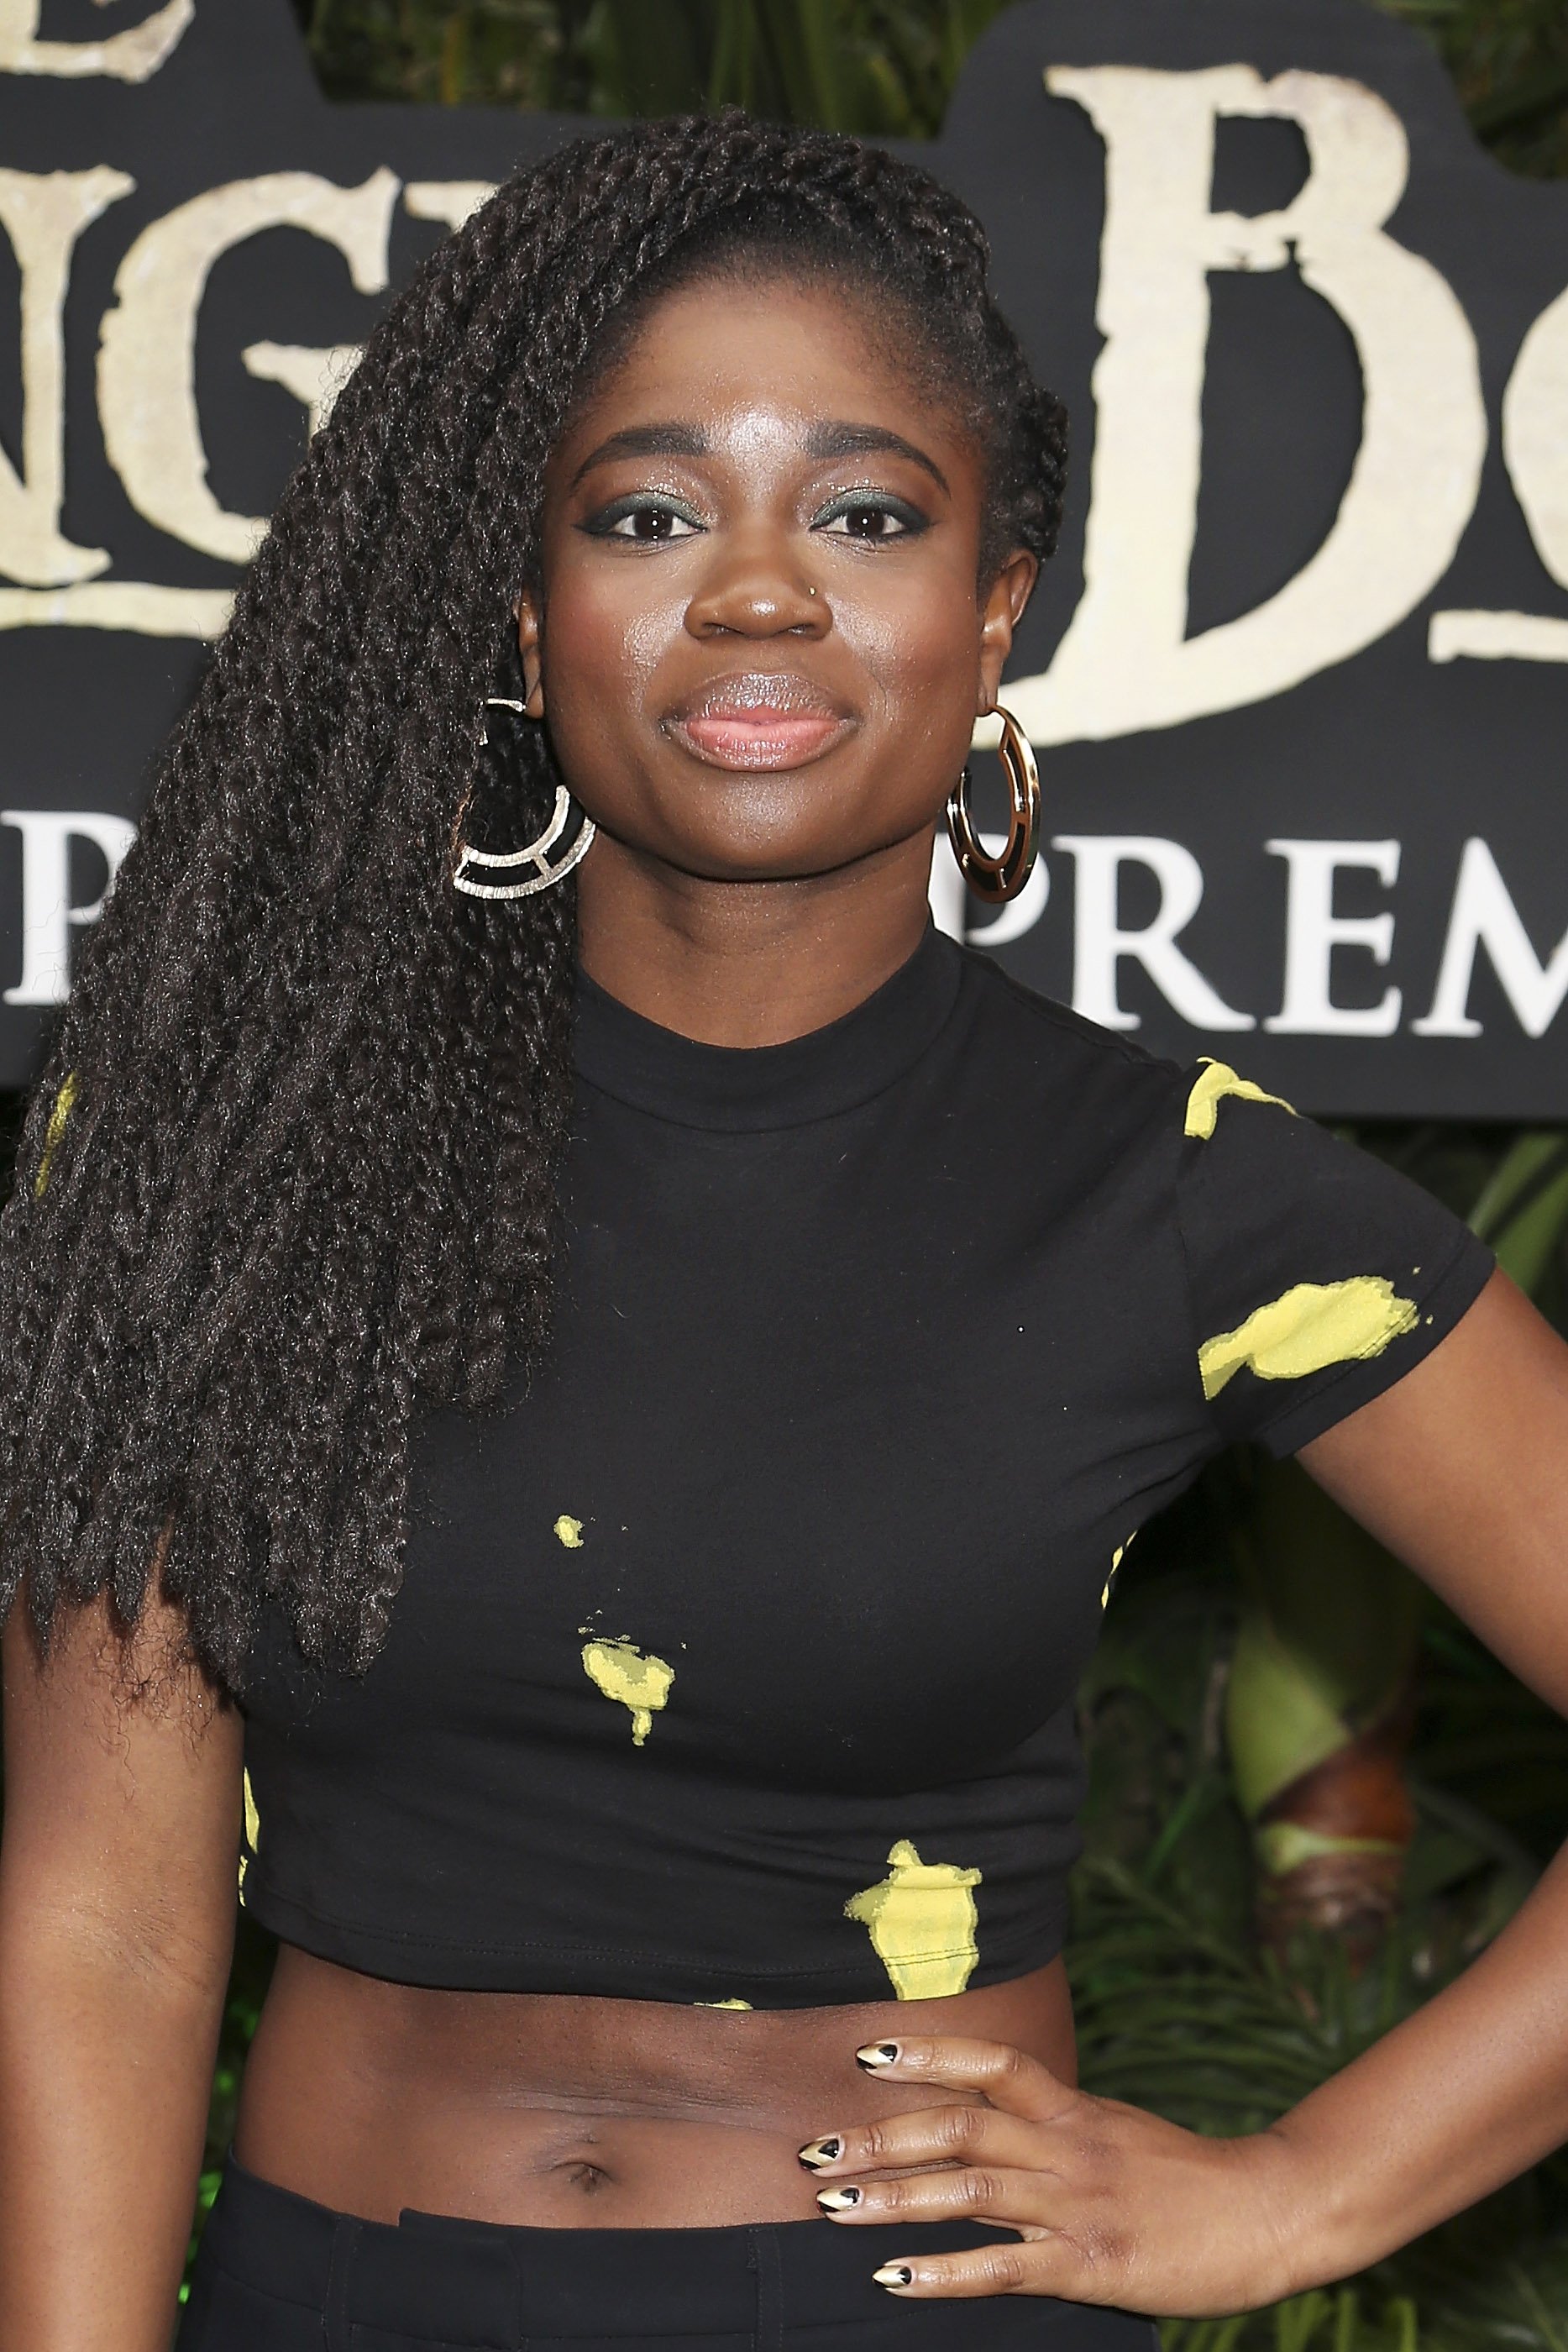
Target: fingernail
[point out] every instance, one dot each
(821, 2151)
(894, 2275)
(878, 2053)
(838, 2200)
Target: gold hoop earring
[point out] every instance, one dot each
(997, 879)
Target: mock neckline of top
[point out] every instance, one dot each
(827, 1071)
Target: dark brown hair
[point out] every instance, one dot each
(303, 1178)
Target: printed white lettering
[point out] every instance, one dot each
(140, 607)
(948, 892)
(1534, 438)
(1496, 636)
(134, 55)
(1484, 916)
(47, 915)
(452, 201)
(314, 373)
(43, 213)
(147, 359)
(1100, 941)
(1535, 448)
(1125, 661)
(1313, 930)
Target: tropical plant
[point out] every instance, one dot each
(1322, 1684)
(880, 66)
(1181, 2008)
(885, 66)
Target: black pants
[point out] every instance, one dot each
(277, 2274)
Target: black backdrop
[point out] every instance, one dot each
(1402, 435)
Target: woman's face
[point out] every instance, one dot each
(759, 647)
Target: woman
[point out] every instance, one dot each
(626, 1758)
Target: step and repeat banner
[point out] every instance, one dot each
(1298, 677)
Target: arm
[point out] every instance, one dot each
(117, 1910)
(1462, 1469)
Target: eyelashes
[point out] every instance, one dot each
(642, 517)
(655, 518)
(857, 510)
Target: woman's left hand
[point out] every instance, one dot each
(1112, 2205)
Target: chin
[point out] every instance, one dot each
(743, 853)
(751, 862)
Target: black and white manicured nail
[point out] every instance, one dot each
(878, 2053)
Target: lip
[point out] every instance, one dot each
(759, 720)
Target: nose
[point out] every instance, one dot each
(758, 586)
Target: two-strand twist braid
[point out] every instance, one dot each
(308, 1178)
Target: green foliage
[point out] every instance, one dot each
(1327, 1642)
(1509, 63)
(500, 52)
(862, 65)
(1523, 1209)
(242, 2011)
(881, 66)
(1180, 2011)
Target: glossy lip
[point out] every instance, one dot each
(759, 719)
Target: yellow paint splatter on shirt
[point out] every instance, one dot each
(721, 2004)
(569, 1531)
(922, 1922)
(252, 1831)
(1218, 1080)
(633, 1677)
(55, 1130)
(1315, 1324)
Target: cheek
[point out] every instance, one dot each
(606, 631)
(919, 641)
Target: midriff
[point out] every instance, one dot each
(561, 2111)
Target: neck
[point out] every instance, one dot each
(748, 963)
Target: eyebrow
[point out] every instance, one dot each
(645, 441)
(837, 439)
(840, 440)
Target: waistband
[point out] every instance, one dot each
(487, 2283)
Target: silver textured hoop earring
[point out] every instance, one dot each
(547, 870)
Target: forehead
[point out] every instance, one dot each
(741, 358)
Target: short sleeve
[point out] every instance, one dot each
(1318, 1276)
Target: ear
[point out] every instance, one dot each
(530, 646)
(1001, 610)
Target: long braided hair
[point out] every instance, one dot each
(291, 1174)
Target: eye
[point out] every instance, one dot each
(869, 517)
(650, 521)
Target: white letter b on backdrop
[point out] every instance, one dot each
(1125, 661)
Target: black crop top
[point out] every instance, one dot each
(735, 1663)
